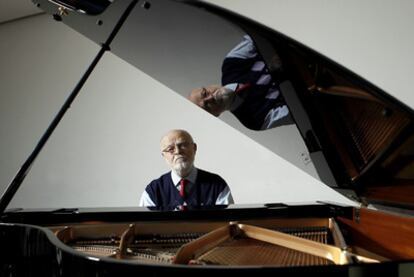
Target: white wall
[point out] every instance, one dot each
(107, 147)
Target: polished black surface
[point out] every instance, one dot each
(233, 212)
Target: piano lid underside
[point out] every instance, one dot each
(367, 138)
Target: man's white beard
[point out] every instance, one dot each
(183, 168)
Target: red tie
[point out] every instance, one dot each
(242, 87)
(183, 183)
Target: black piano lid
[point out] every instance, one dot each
(359, 137)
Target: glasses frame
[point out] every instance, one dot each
(184, 145)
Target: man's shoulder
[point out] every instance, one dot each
(165, 178)
(206, 173)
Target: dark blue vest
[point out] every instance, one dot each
(207, 188)
(256, 106)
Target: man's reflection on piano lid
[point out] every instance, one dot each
(248, 90)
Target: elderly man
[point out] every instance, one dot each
(248, 90)
(185, 184)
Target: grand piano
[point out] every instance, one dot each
(359, 137)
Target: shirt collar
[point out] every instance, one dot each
(237, 100)
(191, 177)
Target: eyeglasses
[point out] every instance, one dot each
(181, 146)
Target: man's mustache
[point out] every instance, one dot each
(179, 157)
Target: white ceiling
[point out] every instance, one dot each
(14, 9)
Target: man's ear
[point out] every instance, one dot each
(195, 147)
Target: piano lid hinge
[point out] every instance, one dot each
(62, 11)
(357, 215)
(364, 202)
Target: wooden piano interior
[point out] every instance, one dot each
(366, 136)
(263, 242)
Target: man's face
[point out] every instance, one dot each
(178, 150)
(214, 99)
